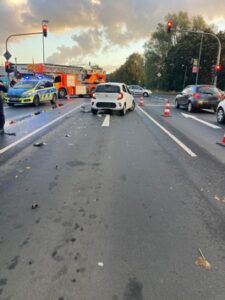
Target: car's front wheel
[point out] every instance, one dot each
(190, 107)
(145, 94)
(220, 115)
(177, 105)
(133, 106)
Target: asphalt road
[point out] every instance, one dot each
(122, 205)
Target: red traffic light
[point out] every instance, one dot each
(45, 30)
(169, 25)
(218, 68)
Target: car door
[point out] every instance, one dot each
(40, 90)
(184, 96)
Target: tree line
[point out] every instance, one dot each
(167, 61)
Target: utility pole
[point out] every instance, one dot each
(199, 60)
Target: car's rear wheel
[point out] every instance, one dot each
(94, 111)
(220, 115)
(190, 107)
(36, 101)
(10, 104)
(177, 105)
(124, 110)
(133, 106)
(54, 98)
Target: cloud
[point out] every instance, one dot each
(102, 24)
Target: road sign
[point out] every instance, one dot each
(159, 74)
(7, 55)
(194, 69)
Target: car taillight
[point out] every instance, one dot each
(120, 96)
(196, 95)
(93, 96)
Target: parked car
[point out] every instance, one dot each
(220, 112)
(31, 91)
(112, 96)
(140, 91)
(198, 96)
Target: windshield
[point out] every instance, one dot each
(107, 88)
(26, 84)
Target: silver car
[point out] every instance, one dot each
(139, 91)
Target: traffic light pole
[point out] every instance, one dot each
(18, 34)
(211, 34)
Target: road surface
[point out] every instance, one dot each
(111, 207)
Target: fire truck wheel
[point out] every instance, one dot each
(62, 93)
(36, 101)
(53, 101)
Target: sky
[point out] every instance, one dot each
(103, 32)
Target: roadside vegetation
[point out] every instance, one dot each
(168, 57)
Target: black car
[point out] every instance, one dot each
(198, 96)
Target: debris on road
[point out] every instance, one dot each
(40, 144)
(10, 133)
(201, 261)
(37, 113)
(217, 198)
(83, 109)
(100, 264)
(34, 206)
(67, 135)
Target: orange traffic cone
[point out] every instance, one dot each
(222, 143)
(167, 112)
(141, 101)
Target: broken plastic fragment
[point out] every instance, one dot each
(10, 133)
(216, 198)
(39, 144)
(34, 206)
(67, 135)
(37, 113)
(201, 261)
(100, 264)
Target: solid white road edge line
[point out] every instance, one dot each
(106, 121)
(176, 140)
(201, 121)
(3, 150)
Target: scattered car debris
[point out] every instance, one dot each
(100, 264)
(10, 133)
(28, 167)
(37, 113)
(56, 166)
(34, 206)
(83, 109)
(201, 261)
(40, 144)
(67, 135)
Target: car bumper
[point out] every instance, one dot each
(106, 105)
(205, 104)
(19, 100)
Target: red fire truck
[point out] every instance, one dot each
(70, 80)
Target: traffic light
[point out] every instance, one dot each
(45, 30)
(169, 25)
(9, 67)
(217, 69)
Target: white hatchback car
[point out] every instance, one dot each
(112, 96)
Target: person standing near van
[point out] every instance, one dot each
(2, 116)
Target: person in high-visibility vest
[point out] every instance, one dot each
(2, 116)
